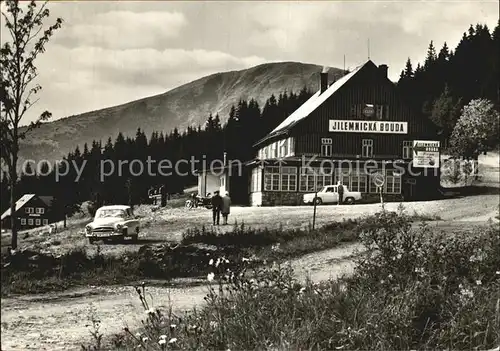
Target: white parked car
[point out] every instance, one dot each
(113, 222)
(329, 195)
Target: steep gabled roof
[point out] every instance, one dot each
(47, 200)
(19, 204)
(312, 104)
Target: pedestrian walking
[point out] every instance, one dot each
(226, 207)
(216, 207)
(340, 190)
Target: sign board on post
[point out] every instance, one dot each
(425, 154)
(379, 180)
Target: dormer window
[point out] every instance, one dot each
(326, 147)
(369, 111)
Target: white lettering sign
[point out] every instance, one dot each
(425, 153)
(356, 126)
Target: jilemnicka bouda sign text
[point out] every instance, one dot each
(368, 127)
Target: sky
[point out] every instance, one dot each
(113, 52)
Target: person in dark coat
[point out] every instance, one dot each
(226, 207)
(216, 207)
(341, 192)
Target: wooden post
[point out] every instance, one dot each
(314, 200)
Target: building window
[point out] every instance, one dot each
(38, 221)
(393, 183)
(30, 221)
(283, 148)
(256, 185)
(367, 149)
(272, 179)
(274, 150)
(284, 179)
(326, 147)
(407, 149)
(312, 179)
(40, 210)
(288, 179)
(45, 221)
(290, 147)
(23, 221)
(30, 210)
(358, 182)
(381, 112)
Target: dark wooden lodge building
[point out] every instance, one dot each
(32, 211)
(347, 131)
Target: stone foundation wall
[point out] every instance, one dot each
(281, 198)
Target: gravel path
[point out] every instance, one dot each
(58, 321)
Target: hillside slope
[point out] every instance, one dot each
(181, 107)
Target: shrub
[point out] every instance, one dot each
(412, 289)
(32, 272)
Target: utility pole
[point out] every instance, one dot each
(315, 199)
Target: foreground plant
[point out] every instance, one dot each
(412, 289)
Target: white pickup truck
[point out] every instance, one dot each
(329, 195)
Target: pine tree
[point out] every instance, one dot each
(431, 56)
(408, 71)
(446, 111)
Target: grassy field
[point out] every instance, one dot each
(168, 224)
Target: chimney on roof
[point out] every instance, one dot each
(323, 80)
(383, 70)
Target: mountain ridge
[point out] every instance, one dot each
(183, 106)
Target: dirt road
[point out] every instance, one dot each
(58, 321)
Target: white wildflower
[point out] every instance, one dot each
(399, 256)
(214, 324)
(478, 282)
(162, 341)
(211, 262)
(210, 277)
(173, 326)
(497, 272)
(144, 339)
(163, 337)
(172, 341)
(245, 259)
